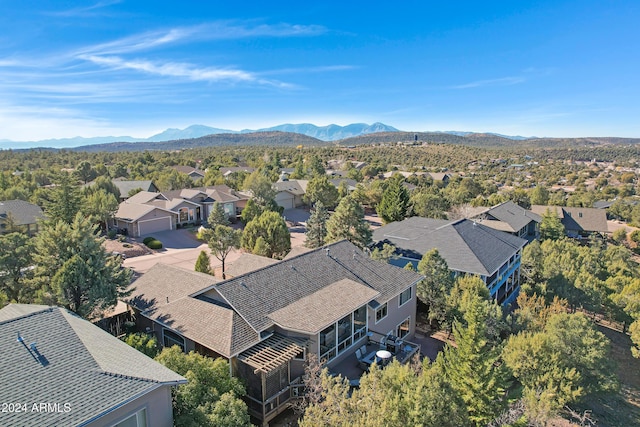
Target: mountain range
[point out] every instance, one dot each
(323, 133)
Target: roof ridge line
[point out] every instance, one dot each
(23, 316)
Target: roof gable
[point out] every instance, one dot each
(21, 212)
(79, 364)
(466, 245)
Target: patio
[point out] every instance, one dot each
(353, 367)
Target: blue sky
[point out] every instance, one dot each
(544, 68)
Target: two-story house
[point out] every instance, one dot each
(328, 301)
(468, 247)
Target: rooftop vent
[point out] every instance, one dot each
(20, 339)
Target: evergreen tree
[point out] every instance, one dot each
(15, 260)
(72, 268)
(319, 189)
(395, 201)
(348, 222)
(435, 288)
(317, 227)
(551, 227)
(65, 201)
(474, 367)
(217, 216)
(203, 263)
(102, 206)
(273, 230)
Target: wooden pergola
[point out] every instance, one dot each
(272, 353)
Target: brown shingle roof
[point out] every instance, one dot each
(315, 312)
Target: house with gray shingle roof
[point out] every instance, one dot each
(150, 212)
(513, 219)
(126, 186)
(327, 301)
(579, 223)
(63, 370)
(23, 215)
(467, 246)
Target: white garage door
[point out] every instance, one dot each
(154, 225)
(286, 203)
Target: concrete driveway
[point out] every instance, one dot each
(175, 239)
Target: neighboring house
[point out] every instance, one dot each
(228, 171)
(194, 173)
(59, 369)
(24, 215)
(579, 223)
(172, 209)
(513, 219)
(289, 194)
(443, 177)
(266, 321)
(350, 183)
(468, 247)
(126, 187)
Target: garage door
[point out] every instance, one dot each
(285, 203)
(154, 225)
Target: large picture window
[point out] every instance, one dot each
(381, 312)
(340, 336)
(405, 296)
(184, 214)
(170, 339)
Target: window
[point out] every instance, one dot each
(381, 312)
(405, 296)
(403, 328)
(170, 339)
(184, 214)
(328, 343)
(139, 419)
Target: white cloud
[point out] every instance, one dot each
(184, 70)
(84, 11)
(504, 81)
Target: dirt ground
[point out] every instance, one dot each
(128, 248)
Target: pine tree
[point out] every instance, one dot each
(217, 216)
(222, 240)
(474, 367)
(65, 201)
(72, 268)
(203, 263)
(395, 201)
(435, 288)
(273, 230)
(317, 227)
(348, 222)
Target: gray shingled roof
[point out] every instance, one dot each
(258, 294)
(163, 294)
(246, 263)
(466, 246)
(22, 212)
(313, 313)
(126, 186)
(513, 215)
(76, 363)
(577, 218)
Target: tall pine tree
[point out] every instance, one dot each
(348, 222)
(317, 227)
(395, 201)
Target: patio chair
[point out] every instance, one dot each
(358, 355)
(363, 349)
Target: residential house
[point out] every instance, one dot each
(326, 302)
(467, 246)
(579, 223)
(229, 170)
(23, 215)
(513, 219)
(126, 187)
(59, 369)
(194, 173)
(148, 212)
(289, 194)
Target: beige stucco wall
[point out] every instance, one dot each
(157, 404)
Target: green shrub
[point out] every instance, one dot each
(635, 236)
(111, 234)
(154, 244)
(148, 239)
(127, 245)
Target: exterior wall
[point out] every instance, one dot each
(156, 403)
(286, 200)
(395, 316)
(192, 212)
